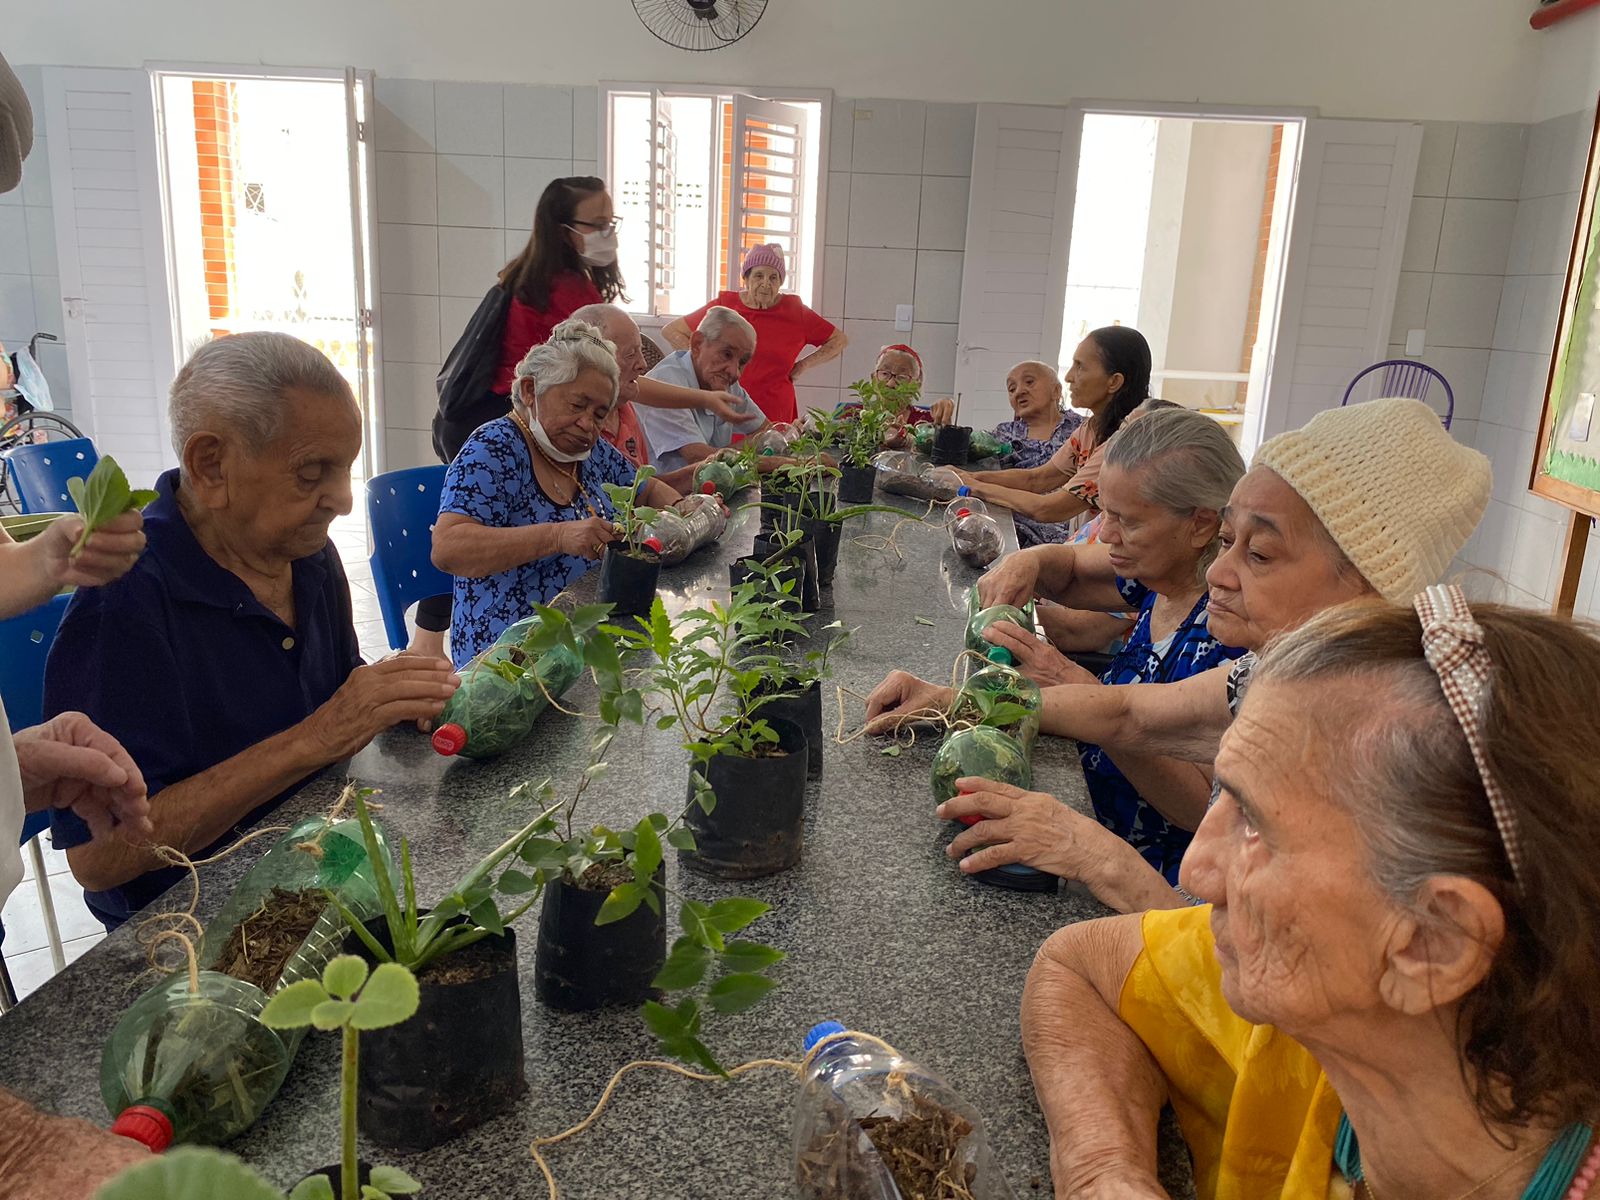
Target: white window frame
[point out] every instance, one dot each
(820, 96)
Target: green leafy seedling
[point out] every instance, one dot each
(350, 997)
(103, 497)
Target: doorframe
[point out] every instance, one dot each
(1278, 114)
(365, 256)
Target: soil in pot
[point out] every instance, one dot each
(261, 944)
(923, 1150)
(856, 484)
(579, 965)
(755, 827)
(628, 582)
(826, 535)
(457, 1062)
(805, 710)
(951, 445)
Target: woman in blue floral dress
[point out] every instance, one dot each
(524, 510)
(1039, 427)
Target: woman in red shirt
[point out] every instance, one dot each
(784, 327)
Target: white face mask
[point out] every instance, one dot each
(549, 447)
(599, 248)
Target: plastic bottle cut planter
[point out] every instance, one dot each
(1001, 683)
(859, 1102)
(502, 693)
(197, 1066)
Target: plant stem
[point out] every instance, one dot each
(349, 1183)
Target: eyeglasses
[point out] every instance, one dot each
(893, 377)
(599, 226)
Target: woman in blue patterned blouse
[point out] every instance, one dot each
(1039, 427)
(524, 511)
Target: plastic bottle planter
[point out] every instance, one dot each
(755, 827)
(951, 445)
(856, 484)
(976, 538)
(197, 1066)
(991, 616)
(986, 445)
(991, 687)
(982, 752)
(870, 1123)
(502, 693)
(805, 710)
(579, 965)
(628, 580)
(698, 520)
(458, 1061)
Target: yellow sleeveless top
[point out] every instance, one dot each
(1256, 1110)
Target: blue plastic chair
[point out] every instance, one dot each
(1403, 377)
(40, 473)
(402, 507)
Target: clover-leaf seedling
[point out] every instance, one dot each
(103, 497)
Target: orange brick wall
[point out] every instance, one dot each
(1263, 241)
(215, 112)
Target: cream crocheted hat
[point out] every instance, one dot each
(1397, 493)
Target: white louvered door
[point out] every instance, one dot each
(105, 177)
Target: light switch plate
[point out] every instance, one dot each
(902, 317)
(1416, 339)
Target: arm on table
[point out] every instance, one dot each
(1042, 478)
(1060, 505)
(1100, 1090)
(57, 1158)
(1184, 720)
(658, 493)
(1077, 576)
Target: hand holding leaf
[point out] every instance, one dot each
(103, 497)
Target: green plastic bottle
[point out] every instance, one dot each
(986, 617)
(503, 692)
(983, 752)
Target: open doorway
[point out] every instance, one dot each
(1179, 229)
(266, 202)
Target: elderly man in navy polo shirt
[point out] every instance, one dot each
(226, 661)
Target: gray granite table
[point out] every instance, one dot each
(882, 932)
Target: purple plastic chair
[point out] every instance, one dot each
(1404, 377)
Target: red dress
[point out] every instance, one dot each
(529, 327)
(782, 331)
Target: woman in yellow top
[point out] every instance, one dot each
(1392, 995)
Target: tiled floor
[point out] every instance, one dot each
(27, 951)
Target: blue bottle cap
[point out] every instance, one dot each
(963, 490)
(819, 1031)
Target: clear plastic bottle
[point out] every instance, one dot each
(976, 538)
(768, 441)
(870, 1125)
(986, 617)
(977, 699)
(964, 505)
(697, 520)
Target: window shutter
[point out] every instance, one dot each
(768, 193)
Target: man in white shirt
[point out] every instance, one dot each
(717, 355)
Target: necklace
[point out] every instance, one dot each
(1560, 1167)
(578, 490)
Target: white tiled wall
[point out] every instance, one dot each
(1519, 543)
(30, 285)
(459, 169)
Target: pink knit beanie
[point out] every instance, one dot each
(770, 255)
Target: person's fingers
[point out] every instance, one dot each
(1011, 636)
(982, 833)
(979, 786)
(889, 693)
(979, 801)
(997, 854)
(95, 816)
(51, 760)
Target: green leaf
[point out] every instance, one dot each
(685, 966)
(368, 1192)
(292, 1006)
(344, 976)
(487, 914)
(735, 993)
(923, 621)
(196, 1173)
(624, 898)
(75, 490)
(103, 497)
(890, 751)
(315, 1187)
(646, 849)
(742, 956)
(391, 996)
(664, 1022)
(693, 1050)
(394, 1181)
(692, 917)
(733, 913)
(332, 1014)
(514, 883)
(681, 839)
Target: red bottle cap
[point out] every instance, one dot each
(652, 544)
(970, 819)
(708, 488)
(963, 512)
(449, 739)
(148, 1126)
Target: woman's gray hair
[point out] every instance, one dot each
(1192, 462)
(719, 319)
(237, 384)
(574, 346)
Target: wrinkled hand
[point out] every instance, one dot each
(407, 687)
(1013, 580)
(726, 406)
(109, 553)
(70, 762)
(1035, 657)
(943, 411)
(1023, 827)
(903, 699)
(587, 538)
(81, 1158)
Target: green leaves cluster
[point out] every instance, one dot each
(882, 407)
(349, 994)
(103, 497)
(632, 518)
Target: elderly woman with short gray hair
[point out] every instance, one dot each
(524, 510)
(226, 660)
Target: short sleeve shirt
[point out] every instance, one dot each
(1255, 1108)
(1028, 452)
(782, 331)
(181, 663)
(492, 482)
(1117, 803)
(668, 430)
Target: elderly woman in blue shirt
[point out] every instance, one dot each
(524, 510)
(225, 660)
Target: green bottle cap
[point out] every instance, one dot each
(1000, 656)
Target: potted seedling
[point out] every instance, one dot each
(352, 998)
(462, 1061)
(631, 566)
(748, 774)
